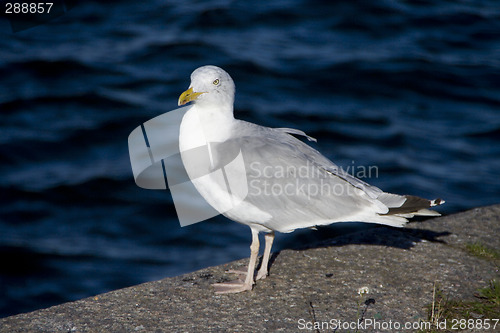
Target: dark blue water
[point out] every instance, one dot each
(411, 87)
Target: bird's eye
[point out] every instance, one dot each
(216, 82)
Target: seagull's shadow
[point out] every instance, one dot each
(356, 233)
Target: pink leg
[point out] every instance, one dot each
(237, 285)
(265, 259)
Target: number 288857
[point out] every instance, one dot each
(28, 7)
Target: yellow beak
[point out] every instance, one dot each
(188, 96)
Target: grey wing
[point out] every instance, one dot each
(296, 186)
(327, 164)
(388, 199)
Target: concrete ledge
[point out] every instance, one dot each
(399, 266)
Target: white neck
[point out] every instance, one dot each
(202, 125)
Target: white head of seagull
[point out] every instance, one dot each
(210, 86)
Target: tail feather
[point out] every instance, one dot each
(413, 206)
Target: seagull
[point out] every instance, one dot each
(280, 183)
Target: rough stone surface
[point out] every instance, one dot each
(318, 284)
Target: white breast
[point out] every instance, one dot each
(197, 130)
(225, 188)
